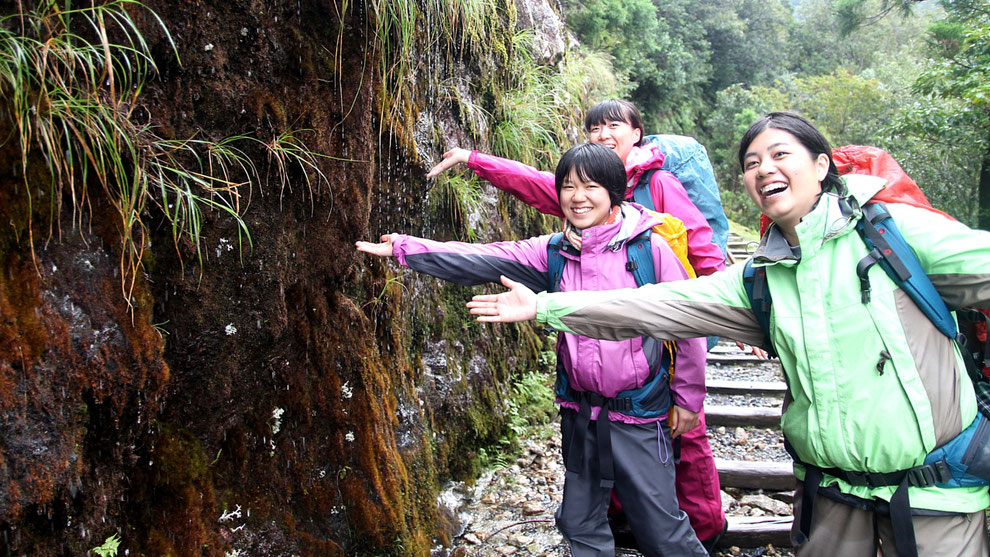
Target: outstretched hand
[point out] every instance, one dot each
(518, 304)
(450, 158)
(383, 249)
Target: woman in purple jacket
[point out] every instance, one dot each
(617, 124)
(631, 448)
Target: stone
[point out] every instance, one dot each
(550, 37)
(472, 538)
(728, 502)
(532, 508)
(742, 437)
(767, 504)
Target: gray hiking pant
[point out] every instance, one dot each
(838, 529)
(644, 484)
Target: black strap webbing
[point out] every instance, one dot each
(575, 455)
(925, 475)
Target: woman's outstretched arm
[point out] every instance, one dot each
(712, 305)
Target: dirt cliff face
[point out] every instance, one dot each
(280, 397)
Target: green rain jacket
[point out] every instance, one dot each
(851, 406)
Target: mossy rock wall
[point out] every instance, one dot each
(288, 397)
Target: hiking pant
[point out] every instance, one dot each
(644, 483)
(699, 493)
(840, 529)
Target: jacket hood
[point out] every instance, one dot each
(641, 159)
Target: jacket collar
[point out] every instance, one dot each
(613, 237)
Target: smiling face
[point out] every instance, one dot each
(585, 203)
(618, 135)
(783, 177)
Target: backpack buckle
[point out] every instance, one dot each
(631, 266)
(929, 474)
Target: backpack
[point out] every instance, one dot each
(688, 161)
(962, 462)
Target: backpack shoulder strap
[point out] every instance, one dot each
(641, 193)
(896, 257)
(889, 248)
(639, 259)
(555, 263)
(755, 283)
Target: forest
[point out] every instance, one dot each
(193, 358)
(907, 76)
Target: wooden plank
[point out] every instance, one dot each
(757, 531)
(737, 358)
(769, 476)
(755, 388)
(742, 416)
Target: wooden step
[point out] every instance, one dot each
(737, 358)
(757, 531)
(768, 476)
(754, 388)
(742, 416)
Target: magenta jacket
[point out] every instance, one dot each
(537, 189)
(601, 366)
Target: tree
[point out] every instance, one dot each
(854, 14)
(956, 90)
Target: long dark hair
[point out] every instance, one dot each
(616, 110)
(805, 132)
(594, 163)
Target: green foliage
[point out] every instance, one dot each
(658, 47)
(461, 197)
(749, 42)
(109, 547)
(532, 114)
(536, 117)
(530, 408)
(854, 14)
(954, 103)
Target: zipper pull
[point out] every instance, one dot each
(884, 356)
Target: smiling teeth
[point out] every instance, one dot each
(582, 210)
(773, 188)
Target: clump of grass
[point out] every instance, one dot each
(461, 197)
(70, 92)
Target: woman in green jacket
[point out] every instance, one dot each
(872, 387)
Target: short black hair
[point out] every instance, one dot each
(805, 132)
(594, 163)
(615, 110)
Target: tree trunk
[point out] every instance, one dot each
(984, 192)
